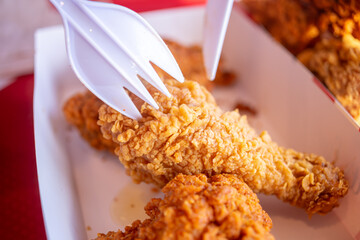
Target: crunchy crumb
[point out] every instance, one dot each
(190, 134)
(88, 228)
(197, 207)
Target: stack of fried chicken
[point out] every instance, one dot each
(208, 162)
(324, 35)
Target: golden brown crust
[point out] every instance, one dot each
(197, 207)
(189, 134)
(337, 64)
(289, 21)
(82, 111)
(325, 34)
(298, 24)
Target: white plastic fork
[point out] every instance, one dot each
(109, 46)
(216, 21)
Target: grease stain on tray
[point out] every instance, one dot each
(128, 205)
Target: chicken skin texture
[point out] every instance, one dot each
(190, 134)
(196, 207)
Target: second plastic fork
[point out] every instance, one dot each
(216, 21)
(109, 46)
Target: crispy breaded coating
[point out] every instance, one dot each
(190, 134)
(325, 34)
(197, 207)
(337, 64)
(298, 24)
(286, 20)
(82, 111)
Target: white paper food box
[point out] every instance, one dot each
(84, 191)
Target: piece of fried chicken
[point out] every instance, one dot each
(82, 110)
(190, 134)
(299, 24)
(191, 63)
(336, 62)
(325, 36)
(197, 207)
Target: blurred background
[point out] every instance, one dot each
(20, 18)
(18, 21)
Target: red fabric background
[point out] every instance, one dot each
(20, 208)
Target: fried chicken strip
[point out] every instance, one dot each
(190, 134)
(82, 110)
(197, 207)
